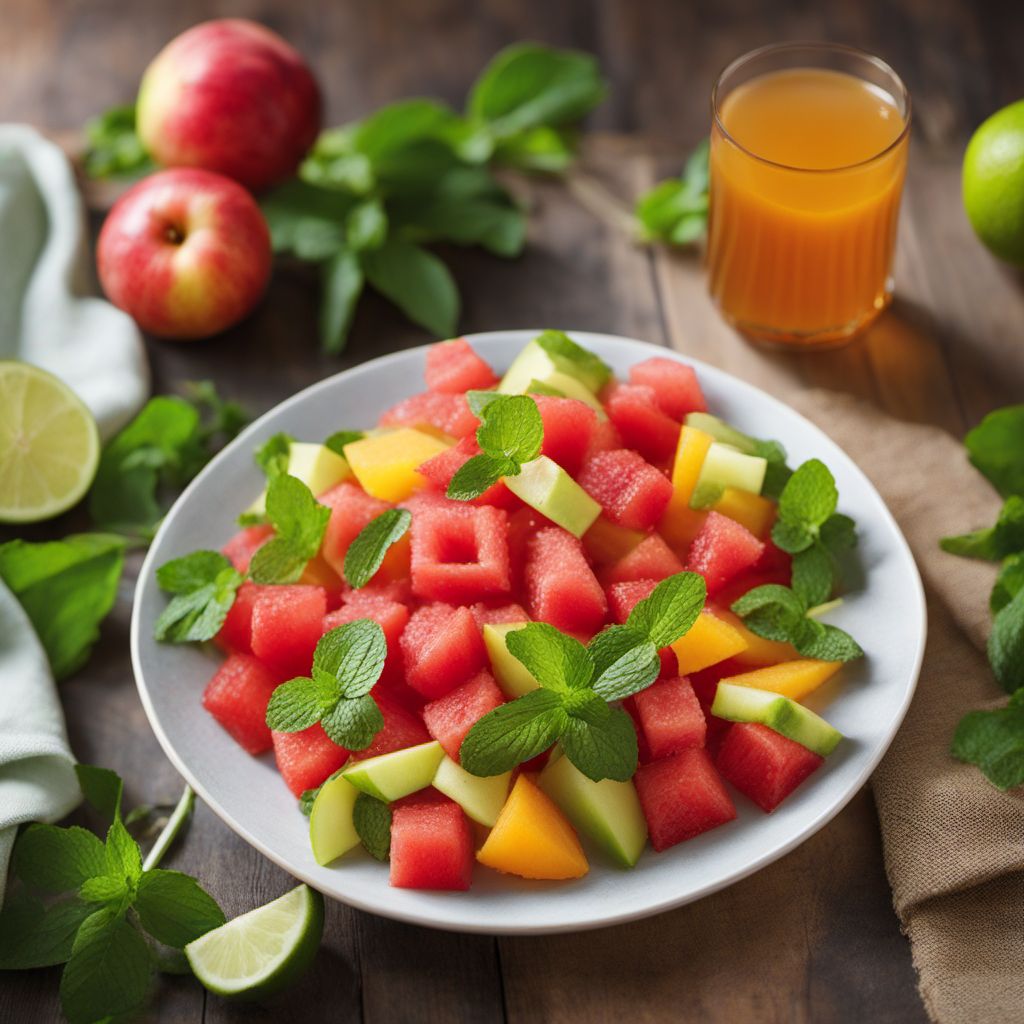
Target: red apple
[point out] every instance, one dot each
(185, 252)
(233, 97)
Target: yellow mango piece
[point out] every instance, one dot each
(385, 465)
(680, 523)
(709, 641)
(759, 650)
(750, 510)
(793, 679)
(606, 543)
(532, 838)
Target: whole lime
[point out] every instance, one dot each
(993, 182)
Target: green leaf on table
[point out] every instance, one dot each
(366, 553)
(174, 908)
(102, 788)
(204, 585)
(122, 852)
(994, 741)
(372, 821)
(343, 282)
(67, 587)
(542, 149)
(114, 148)
(1009, 582)
(676, 211)
(494, 224)
(394, 127)
(1006, 537)
(105, 889)
(1006, 644)
(33, 934)
(996, 448)
(305, 219)
(366, 225)
(58, 859)
(557, 661)
(299, 522)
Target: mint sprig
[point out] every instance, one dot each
(995, 449)
(510, 434)
(1004, 538)
(372, 820)
(366, 553)
(994, 741)
(204, 585)
(676, 211)
(337, 441)
(346, 664)
(299, 521)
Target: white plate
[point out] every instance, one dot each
(866, 701)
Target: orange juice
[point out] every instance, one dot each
(807, 167)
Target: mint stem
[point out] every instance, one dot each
(175, 823)
(822, 609)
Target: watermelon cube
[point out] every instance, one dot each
(460, 554)
(486, 614)
(237, 696)
(631, 491)
(651, 559)
(671, 717)
(391, 616)
(401, 729)
(682, 796)
(442, 647)
(569, 427)
(453, 367)
(431, 845)
(442, 467)
(449, 718)
(287, 621)
(448, 414)
(240, 549)
(623, 597)
(236, 632)
(722, 550)
(305, 759)
(762, 764)
(605, 438)
(640, 422)
(675, 386)
(351, 509)
(560, 585)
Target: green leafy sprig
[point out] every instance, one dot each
(676, 211)
(366, 553)
(299, 522)
(372, 820)
(204, 585)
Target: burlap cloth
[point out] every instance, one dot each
(954, 845)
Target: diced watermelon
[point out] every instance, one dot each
(431, 845)
(631, 491)
(450, 414)
(569, 427)
(460, 554)
(305, 759)
(681, 797)
(240, 549)
(774, 566)
(287, 621)
(674, 384)
(561, 587)
(522, 525)
(651, 559)
(442, 647)
(449, 718)
(351, 509)
(622, 597)
(764, 765)
(401, 729)
(442, 467)
(642, 425)
(722, 550)
(237, 696)
(453, 367)
(236, 633)
(494, 614)
(605, 438)
(670, 716)
(390, 615)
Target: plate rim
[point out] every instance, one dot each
(423, 918)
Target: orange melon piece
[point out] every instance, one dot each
(606, 543)
(750, 510)
(532, 838)
(709, 641)
(680, 523)
(759, 650)
(793, 679)
(386, 464)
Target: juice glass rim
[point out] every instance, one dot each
(851, 51)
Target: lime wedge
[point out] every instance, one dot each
(49, 445)
(263, 951)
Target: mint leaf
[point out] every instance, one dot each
(828, 643)
(343, 282)
(477, 474)
(35, 935)
(541, 149)
(58, 859)
(996, 448)
(838, 533)
(772, 611)
(807, 500)
(813, 575)
(174, 908)
(299, 704)
(511, 427)
(1005, 538)
(102, 788)
(366, 225)
(305, 219)
(109, 971)
(1006, 644)
(994, 741)
(392, 128)
(1009, 582)
(513, 733)
(272, 456)
(309, 796)
(366, 553)
(557, 661)
(372, 820)
(204, 584)
(104, 889)
(671, 608)
(114, 147)
(66, 587)
(626, 662)
(299, 522)
(792, 537)
(601, 742)
(479, 400)
(676, 211)
(588, 366)
(353, 722)
(337, 441)
(122, 853)
(353, 655)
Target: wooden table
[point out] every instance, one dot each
(813, 937)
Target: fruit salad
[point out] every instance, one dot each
(525, 622)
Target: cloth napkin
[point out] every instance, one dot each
(953, 844)
(48, 317)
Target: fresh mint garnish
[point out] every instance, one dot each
(1006, 644)
(346, 664)
(994, 741)
(337, 441)
(272, 455)
(1005, 538)
(204, 585)
(299, 521)
(114, 148)
(995, 448)
(309, 796)
(676, 211)
(372, 821)
(591, 368)
(1009, 582)
(366, 553)
(510, 434)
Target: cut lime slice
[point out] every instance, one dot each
(49, 445)
(262, 951)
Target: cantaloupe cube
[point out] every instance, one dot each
(533, 838)
(759, 650)
(606, 543)
(793, 679)
(709, 641)
(681, 524)
(385, 465)
(750, 510)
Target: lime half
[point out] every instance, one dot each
(263, 951)
(49, 445)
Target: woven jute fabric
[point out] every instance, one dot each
(954, 844)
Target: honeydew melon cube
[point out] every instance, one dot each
(545, 486)
(331, 829)
(391, 776)
(481, 798)
(724, 467)
(512, 675)
(315, 465)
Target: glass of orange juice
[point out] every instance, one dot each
(808, 156)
